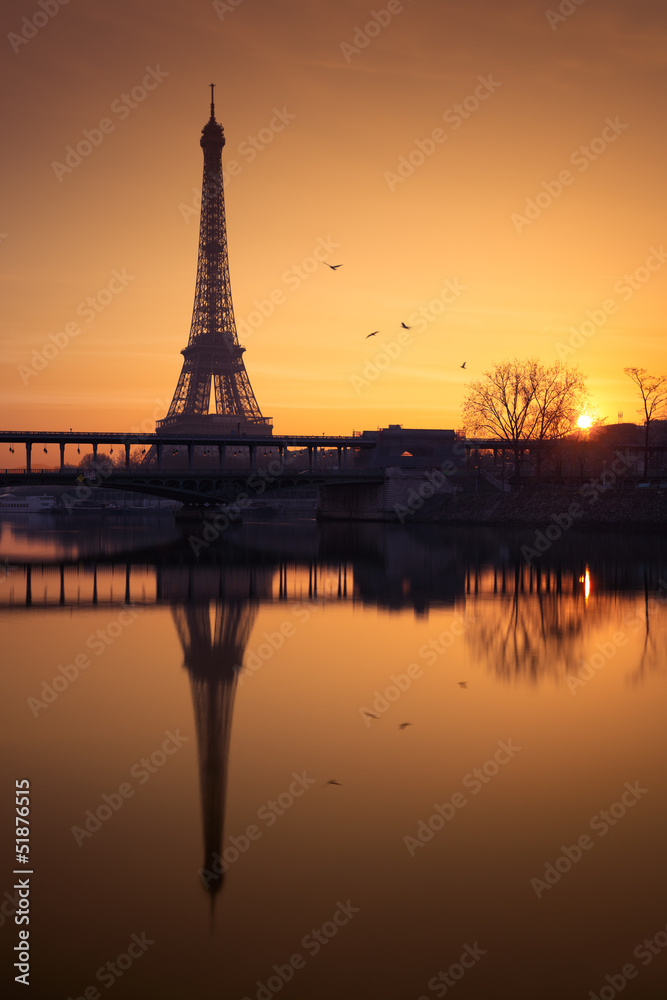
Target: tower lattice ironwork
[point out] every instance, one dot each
(213, 354)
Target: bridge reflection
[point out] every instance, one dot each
(417, 568)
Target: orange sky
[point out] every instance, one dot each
(447, 233)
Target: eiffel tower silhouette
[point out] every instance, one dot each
(213, 355)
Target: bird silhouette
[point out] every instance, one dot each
(405, 326)
(333, 267)
(402, 725)
(373, 334)
(462, 684)
(331, 782)
(464, 364)
(371, 716)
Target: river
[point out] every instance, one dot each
(346, 760)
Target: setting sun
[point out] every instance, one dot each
(584, 421)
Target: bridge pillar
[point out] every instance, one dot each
(159, 448)
(252, 455)
(191, 455)
(95, 445)
(281, 457)
(340, 456)
(28, 455)
(310, 457)
(127, 454)
(62, 456)
(222, 455)
(389, 500)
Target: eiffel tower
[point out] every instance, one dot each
(212, 655)
(213, 354)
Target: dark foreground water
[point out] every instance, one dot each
(354, 761)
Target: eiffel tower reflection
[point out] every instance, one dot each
(214, 635)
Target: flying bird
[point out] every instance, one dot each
(373, 334)
(405, 326)
(464, 364)
(371, 716)
(462, 684)
(404, 724)
(333, 267)
(332, 782)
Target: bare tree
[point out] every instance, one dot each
(523, 401)
(653, 389)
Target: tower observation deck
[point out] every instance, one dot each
(213, 355)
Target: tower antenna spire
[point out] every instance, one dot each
(212, 103)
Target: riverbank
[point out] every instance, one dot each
(587, 508)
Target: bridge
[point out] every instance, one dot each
(351, 475)
(164, 444)
(359, 476)
(195, 470)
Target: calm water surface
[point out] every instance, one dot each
(182, 718)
